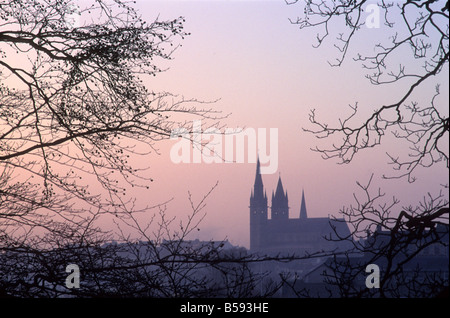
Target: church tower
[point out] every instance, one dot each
(258, 212)
(303, 214)
(280, 207)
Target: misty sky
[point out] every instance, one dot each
(265, 73)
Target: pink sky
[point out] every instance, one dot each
(267, 75)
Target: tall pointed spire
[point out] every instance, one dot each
(258, 170)
(258, 186)
(258, 212)
(280, 205)
(279, 191)
(303, 214)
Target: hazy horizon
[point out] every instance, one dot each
(266, 74)
(263, 72)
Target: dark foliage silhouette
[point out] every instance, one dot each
(414, 50)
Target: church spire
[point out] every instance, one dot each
(279, 191)
(280, 205)
(258, 212)
(258, 196)
(258, 186)
(303, 214)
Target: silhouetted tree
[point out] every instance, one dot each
(74, 113)
(159, 262)
(417, 35)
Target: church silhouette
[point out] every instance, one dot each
(279, 234)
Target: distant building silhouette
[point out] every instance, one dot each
(281, 235)
(422, 275)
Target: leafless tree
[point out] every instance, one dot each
(411, 248)
(74, 112)
(74, 107)
(417, 27)
(159, 262)
(418, 32)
